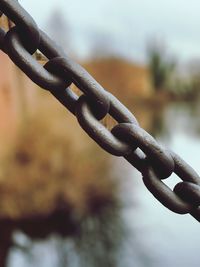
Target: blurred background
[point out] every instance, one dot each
(64, 201)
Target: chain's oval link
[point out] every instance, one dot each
(97, 131)
(30, 34)
(184, 170)
(164, 194)
(159, 158)
(69, 69)
(51, 50)
(29, 65)
(189, 192)
(150, 159)
(67, 98)
(119, 112)
(138, 160)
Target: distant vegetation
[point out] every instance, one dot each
(161, 67)
(167, 78)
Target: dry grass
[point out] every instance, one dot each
(53, 163)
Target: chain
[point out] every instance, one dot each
(127, 139)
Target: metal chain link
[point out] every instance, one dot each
(127, 139)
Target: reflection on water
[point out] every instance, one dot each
(95, 244)
(140, 234)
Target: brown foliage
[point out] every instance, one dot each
(53, 163)
(124, 79)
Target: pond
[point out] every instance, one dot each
(152, 235)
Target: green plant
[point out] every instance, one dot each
(161, 66)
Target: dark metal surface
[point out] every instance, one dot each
(159, 158)
(29, 35)
(126, 139)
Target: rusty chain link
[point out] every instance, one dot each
(127, 139)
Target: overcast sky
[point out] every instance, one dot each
(128, 24)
